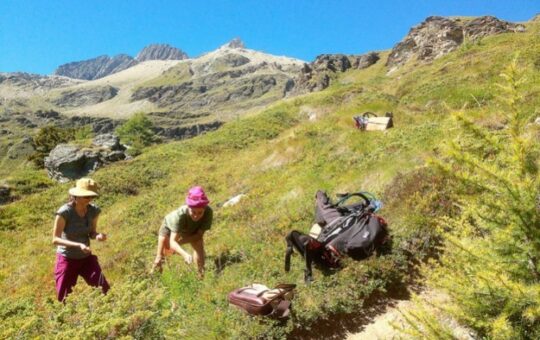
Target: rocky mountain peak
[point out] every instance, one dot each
(95, 68)
(235, 43)
(161, 52)
(104, 65)
(437, 36)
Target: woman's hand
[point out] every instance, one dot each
(188, 258)
(85, 248)
(101, 237)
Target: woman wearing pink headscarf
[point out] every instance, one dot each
(186, 224)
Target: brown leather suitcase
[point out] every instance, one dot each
(257, 299)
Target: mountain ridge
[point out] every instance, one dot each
(102, 66)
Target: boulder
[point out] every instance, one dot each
(67, 162)
(108, 140)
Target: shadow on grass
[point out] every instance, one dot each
(341, 325)
(226, 259)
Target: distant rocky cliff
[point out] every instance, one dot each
(318, 75)
(104, 65)
(161, 52)
(437, 36)
(96, 68)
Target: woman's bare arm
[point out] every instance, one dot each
(175, 246)
(59, 225)
(93, 231)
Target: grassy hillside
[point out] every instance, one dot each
(279, 158)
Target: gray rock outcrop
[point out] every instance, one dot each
(437, 36)
(42, 118)
(215, 89)
(184, 132)
(67, 162)
(99, 125)
(488, 25)
(109, 141)
(160, 52)
(85, 96)
(35, 81)
(364, 61)
(318, 75)
(96, 68)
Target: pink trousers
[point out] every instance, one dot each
(66, 272)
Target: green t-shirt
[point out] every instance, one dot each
(180, 222)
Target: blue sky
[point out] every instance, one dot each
(38, 35)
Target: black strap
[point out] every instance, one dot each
(345, 196)
(288, 252)
(308, 256)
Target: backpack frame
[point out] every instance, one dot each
(353, 230)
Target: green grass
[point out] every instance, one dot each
(279, 159)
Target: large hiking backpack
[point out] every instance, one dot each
(347, 230)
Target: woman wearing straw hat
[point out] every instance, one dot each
(75, 224)
(186, 224)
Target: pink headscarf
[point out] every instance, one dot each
(196, 198)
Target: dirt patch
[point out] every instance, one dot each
(387, 324)
(341, 326)
(381, 317)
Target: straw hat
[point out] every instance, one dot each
(84, 187)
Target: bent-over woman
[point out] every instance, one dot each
(187, 224)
